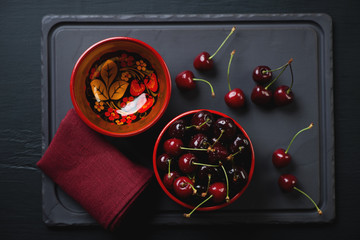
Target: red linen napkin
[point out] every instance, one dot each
(92, 171)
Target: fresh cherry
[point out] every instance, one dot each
(173, 146)
(235, 98)
(217, 153)
(281, 157)
(183, 187)
(163, 161)
(203, 61)
(238, 176)
(288, 182)
(186, 81)
(262, 74)
(202, 120)
(199, 140)
(224, 128)
(187, 163)
(283, 95)
(177, 129)
(261, 95)
(169, 179)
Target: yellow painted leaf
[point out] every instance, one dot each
(99, 90)
(108, 72)
(117, 89)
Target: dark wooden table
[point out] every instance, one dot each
(20, 122)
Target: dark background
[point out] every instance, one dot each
(20, 121)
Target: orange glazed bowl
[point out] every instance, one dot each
(120, 86)
(230, 165)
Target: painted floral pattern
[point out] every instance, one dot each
(122, 87)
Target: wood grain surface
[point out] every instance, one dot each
(20, 121)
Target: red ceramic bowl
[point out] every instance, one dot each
(120, 86)
(158, 149)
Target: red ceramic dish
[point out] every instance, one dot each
(158, 150)
(120, 86)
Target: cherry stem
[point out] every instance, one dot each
(277, 69)
(282, 70)
(231, 156)
(204, 164)
(221, 133)
(198, 126)
(227, 184)
(211, 87)
(292, 79)
(302, 130)
(169, 172)
(317, 208)
(228, 70)
(194, 149)
(187, 215)
(232, 31)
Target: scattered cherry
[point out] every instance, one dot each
(235, 98)
(287, 182)
(262, 74)
(186, 81)
(283, 95)
(281, 157)
(204, 62)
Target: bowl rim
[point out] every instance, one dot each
(82, 115)
(177, 200)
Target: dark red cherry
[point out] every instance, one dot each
(173, 146)
(218, 191)
(186, 163)
(202, 62)
(204, 171)
(169, 179)
(177, 129)
(183, 187)
(202, 120)
(261, 95)
(163, 161)
(186, 81)
(280, 158)
(238, 177)
(287, 182)
(235, 98)
(226, 127)
(199, 140)
(239, 141)
(217, 153)
(262, 74)
(283, 96)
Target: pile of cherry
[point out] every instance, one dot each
(205, 156)
(261, 95)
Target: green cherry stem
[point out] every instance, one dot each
(231, 156)
(292, 79)
(227, 184)
(302, 130)
(232, 31)
(228, 70)
(221, 133)
(205, 81)
(277, 69)
(198, 126)
(194, 149)
(204, 164)
(302, 192)
(282, 70)
(187, 215)
(169, 172)
(208, 185)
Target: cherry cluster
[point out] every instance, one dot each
(205, 156)
(282, 158)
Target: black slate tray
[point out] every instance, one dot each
(270, 39)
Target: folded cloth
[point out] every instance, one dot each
(92, 171)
